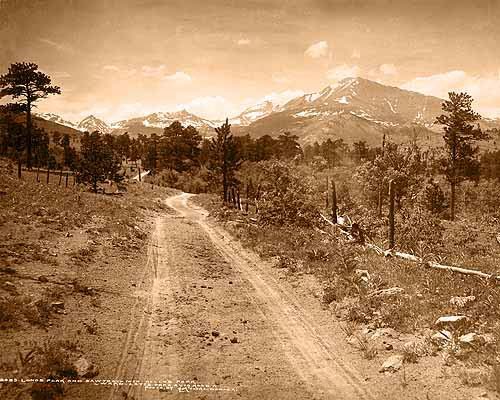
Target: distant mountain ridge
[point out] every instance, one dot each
(353, 109)
(156, 122)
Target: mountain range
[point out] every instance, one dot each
(354, 109)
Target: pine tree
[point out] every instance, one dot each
(461, 161)
(24, 82)
(98, 160)
(225, 159)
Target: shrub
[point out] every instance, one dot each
(418, 229)
(287, 197)
(433, 198)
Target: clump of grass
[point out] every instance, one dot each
(367, 349)
(9, 313)
(348, 328)
(52, 359)
(495, 376)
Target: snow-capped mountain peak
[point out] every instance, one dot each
(57, 119)
(92, 123)
(255, 112)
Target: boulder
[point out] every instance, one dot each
(84, 368)
(442, 337)
(468, 338)
(451, 319)
(392, 364)
(362, 274)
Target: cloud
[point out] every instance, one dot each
(388, 69)
(343, 71)
(112, 68)
(148, 70)
(210, 107)
(280, 79)
(484, 90)
(243, 42)
(219, 108)
(280, 98)
(356, 54)
(178, 77)
(60, 75)
(58, 46)
(317, 50)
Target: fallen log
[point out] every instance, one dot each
(413, 258)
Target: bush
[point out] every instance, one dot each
(287, 196)
(418, 229)
(433, 198)
(193, 181)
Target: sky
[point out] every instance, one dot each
(118, 59)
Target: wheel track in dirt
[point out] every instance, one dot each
(313, 356)
(138, 317)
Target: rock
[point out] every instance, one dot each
(468, 338)
(415, 348)
(461, 301)
(215, 333)
(68, 234)
(389, 346)
(442, 337)
(42, 279)
(450, 319)
(362, 274)
(380, 332)
(392, 364)
(234, 340)
(10, 286)
(84, 368)
(487, 338)
(59, 305)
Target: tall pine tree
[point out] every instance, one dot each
(225, 159)
(25, 83)
(460, 161)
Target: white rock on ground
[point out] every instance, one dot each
(450, 319)
(442, 337)
(468, 338)
(392, 364)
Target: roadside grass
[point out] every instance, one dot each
(52, 240)
(50, 360)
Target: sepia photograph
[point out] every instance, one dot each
(250, 199)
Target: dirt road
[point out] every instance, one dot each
(216, 315)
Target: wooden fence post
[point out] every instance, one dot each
(327, 187)
(48, 174)
(60, 177)
(247, 198)
(19, 167)
(67, 179)
(334, 203)
(140, 179)
(391, 214)
(238, 198)
(38, 174)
